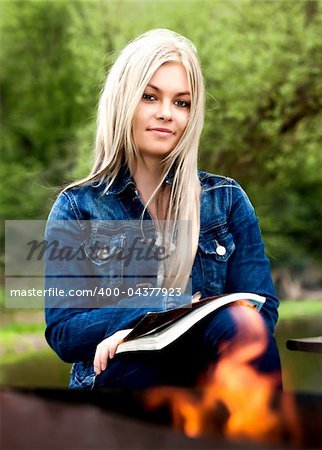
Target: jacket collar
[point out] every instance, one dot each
(124, 180)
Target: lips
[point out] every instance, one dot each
(161, 130)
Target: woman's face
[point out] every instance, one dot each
(162, 114)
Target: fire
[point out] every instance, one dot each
(235, 400)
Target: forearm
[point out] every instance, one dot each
(75, 334)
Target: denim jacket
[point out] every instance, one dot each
(227, 220)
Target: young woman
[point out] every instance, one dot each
(144, 189)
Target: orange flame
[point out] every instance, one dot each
(235, 400)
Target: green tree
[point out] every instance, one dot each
(262, 63)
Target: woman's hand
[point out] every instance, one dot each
(107, 348)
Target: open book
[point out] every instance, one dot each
(158, 329)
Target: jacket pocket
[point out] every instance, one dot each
(215, 248)
(105, 254)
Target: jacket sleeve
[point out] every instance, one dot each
(249, 267)
(74, 325)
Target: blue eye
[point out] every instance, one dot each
(183, 104)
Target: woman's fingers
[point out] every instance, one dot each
(99, 359)
(116, 339)
(112, 349)
(101, 356)
(104, 357)
(106, 349)
(96, 362)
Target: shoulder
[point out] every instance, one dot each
(223, 194)
(69, 203)
(85, 192)
(220, 186)
(211, 181)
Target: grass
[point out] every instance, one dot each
(18, 340)
(41, 368)
(300, 309)
(19, 327)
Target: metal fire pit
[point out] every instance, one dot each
(113, 419)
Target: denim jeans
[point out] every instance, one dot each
(184, 361)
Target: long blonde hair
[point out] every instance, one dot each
(123, 90)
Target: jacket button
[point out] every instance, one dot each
(102, 254)
(221, 250)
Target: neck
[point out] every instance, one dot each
(147, 177)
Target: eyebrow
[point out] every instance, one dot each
(159, 90)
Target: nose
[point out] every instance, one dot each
(164, 112)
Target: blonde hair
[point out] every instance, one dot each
(123, 90)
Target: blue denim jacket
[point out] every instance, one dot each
(227, 219)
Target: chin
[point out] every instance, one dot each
(160, 154)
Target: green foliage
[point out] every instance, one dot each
(262, 63)
(49, 85)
